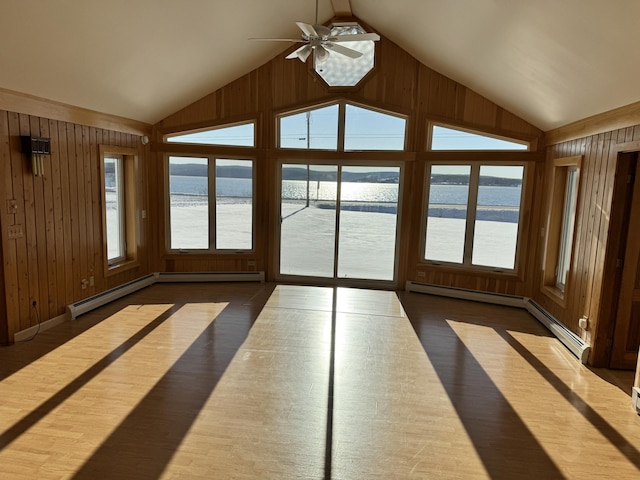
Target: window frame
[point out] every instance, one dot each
(211, 205)
(471, 211)
(556, 248)
(129, 233)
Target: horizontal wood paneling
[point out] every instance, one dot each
(59, 216)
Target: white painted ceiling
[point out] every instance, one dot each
(551, 62)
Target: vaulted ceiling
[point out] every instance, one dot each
(551, 62)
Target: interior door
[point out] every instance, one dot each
(626, 338)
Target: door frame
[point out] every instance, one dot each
(621, 357)
(612, 273)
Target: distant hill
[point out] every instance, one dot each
(446, 179)
(194, 170)
(300, 173)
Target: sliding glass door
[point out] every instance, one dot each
(339, 221)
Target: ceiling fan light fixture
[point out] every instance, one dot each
(320, 55)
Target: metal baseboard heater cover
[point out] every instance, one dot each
(635, 399)
(573, 342)
(74, 310)
(169, 277)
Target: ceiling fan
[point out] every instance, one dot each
(320, 40)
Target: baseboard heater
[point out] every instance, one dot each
(83, 306)
(635, 399)
(573, 342)
(170, 277)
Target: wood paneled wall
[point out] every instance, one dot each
(57, 218)
(397, 83)
(586, 293)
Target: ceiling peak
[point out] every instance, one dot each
(341, 8)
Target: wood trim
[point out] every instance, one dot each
(28, 104)
(481, 156)
(621, 356)
(615, 119)
(556, 198)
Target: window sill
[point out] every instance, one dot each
(555, 294)
(207, 254)
(121, 267)
(475, 270)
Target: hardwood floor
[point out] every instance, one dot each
(262, 381)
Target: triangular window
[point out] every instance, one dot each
(444, 138)
(242, 135)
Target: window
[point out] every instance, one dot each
(114, 201)
(447, 138)
(118, 172)
(312, 129)
(210, 203)
(473, 213)
(241, 135)
(561, 223)
(342, 127)
(367, 129)
(340, 70)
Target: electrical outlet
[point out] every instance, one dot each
(92, 281)
(583, 323)
(421, 274)
(12, 207)
(83, 283)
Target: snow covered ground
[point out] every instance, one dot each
(367, 239)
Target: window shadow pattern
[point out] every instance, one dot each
(501, 438)
(170, 408)
(14, 432)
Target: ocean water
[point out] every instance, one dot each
(350, 191)
(445, 201)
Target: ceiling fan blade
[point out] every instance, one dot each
(307, 29)
(301, 53)
(322, 31)
(348, 52)
(294, 40)
(358, 37)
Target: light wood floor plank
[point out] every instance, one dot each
(205, 381)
